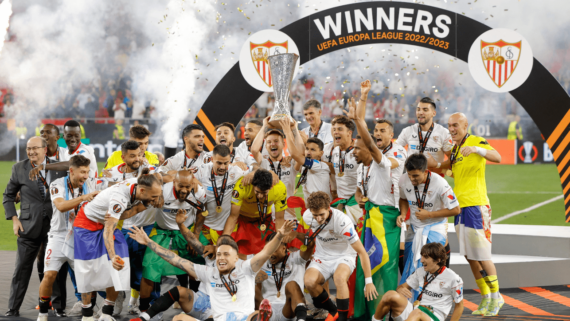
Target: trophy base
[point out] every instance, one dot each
(274, 121)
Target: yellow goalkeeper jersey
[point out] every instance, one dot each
(244, 196)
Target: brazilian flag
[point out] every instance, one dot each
(381, 238)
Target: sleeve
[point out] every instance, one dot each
(167, 165)
(401, 186)
(483, 143)
(250, 160)
(348, 230)
(117, 206)
(385, 162)
(245, 266)
(447, 142)
(414, 280)
(201, 195)
(398, 155)
(457, 289)
(448, 197)
(10, 193)
(238, 193)
(402, 141)
(56, 190)
(101, 184)
(296, 258)
(202, 272)
(152, 158)
(280, 201)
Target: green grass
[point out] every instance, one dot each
(7, 237)
(511, 188)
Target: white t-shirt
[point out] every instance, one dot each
(398, 153)
(318, 177)
(244, 147)
(166, 217)
(58, 157)
(438, 143)
(220, 299)
(345, 185)
(216, 220)
(113, 200)
(324, 134)
(144, 218)
(439, 195)
(336, 238)
(294, 271)
(380, 189)
(288, 173)
(441, 293)
(86, 151)
(178, 161)
(60, 222)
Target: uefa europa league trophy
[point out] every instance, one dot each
(282, 68)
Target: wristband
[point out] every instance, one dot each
(481, 151)
(438, 165)
(368, 280)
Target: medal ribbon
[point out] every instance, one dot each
(302, 178)
(192, 162)
(455, 151)
(219, 196)
(423, 142)
(198, 205)
(42, 178)
(229, 285)
(427, 282)
(309, 239)
(262, 215)
(365, 181)
(279, 279)
(318, 130)
(421, 201)
(343, 159)
(387, 149)
(70, 188)
(278, 171)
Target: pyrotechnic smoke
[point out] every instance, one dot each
(5, 13)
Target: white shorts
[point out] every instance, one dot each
(201, 308)
(408, 310)
(278, 313)
(328, 267)
(473, 229)
(54, 258)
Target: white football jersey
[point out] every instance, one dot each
(58, 156)
(336, 238)
(216, 220)
(242, 277)
(324, 134)
(441, 293)
(294, 271)
(345, 185)
(61, 221)
(113, 200)
(288, 173)
(438, 142)
(118, 172)
(398, 153)
(380, 189)
(180, 161)
(240, 155)
(244, 146)
(166, 216)
(318, 177)
(439, 195)
(86, 151)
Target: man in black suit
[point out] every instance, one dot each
(33, 225)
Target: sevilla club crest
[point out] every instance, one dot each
(259, 54)
(500, 59)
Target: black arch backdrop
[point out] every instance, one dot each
(448, 32)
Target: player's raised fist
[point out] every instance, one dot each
(365, 87)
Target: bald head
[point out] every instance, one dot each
(457, 125)
(183, 184)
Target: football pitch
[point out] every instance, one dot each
(511, 189)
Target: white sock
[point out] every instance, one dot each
(86, 305)
(133, 301)
(374, 319)
(495, 295)
(144, 316)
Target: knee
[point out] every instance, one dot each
(310, 282)
(390, 297)
(50, 277)
(416, 313)
(292, 287)
(340, 279)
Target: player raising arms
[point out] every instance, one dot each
(337, 246)
(232, 281)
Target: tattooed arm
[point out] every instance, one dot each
(190, 237)
(140, 236)
(110, 226)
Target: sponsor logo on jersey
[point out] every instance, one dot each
(221, 285)
(349, 233)
(433, 294)
(428, 149)
(451, 197)
(414, 203)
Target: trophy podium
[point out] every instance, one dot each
(282, 69)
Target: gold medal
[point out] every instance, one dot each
(278, 294)
(262, 227)
(305, 290)
(365, 199)
(219, 209)
(234, 298)
(341, 174)
(303, 247)
(416, 304)
(449, 172)
(204, 213)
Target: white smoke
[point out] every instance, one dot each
(5, 13)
